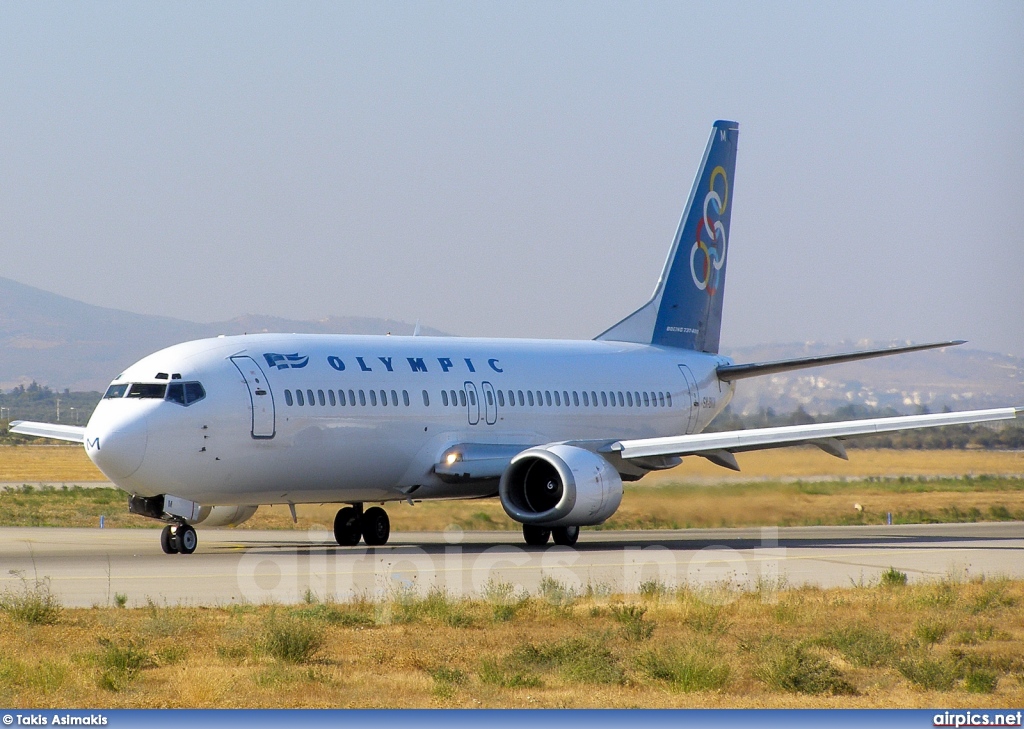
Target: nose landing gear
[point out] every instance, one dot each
(352, 524)
(178, 539)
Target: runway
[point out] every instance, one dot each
(87, 567)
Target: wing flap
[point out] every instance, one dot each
(73, 433)
(736, 441)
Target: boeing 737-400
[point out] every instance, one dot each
(207, 431)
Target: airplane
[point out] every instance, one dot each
(207, 431)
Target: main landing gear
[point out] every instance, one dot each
(537, 536)
(352, 524)
(178, 539)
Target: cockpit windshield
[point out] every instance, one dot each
(183, 393)
(115, 391)
(147, 390)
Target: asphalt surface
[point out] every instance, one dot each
(87, 567)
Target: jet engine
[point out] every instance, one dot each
(560, 485)
(220, 516)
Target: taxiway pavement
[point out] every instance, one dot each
(86, 567)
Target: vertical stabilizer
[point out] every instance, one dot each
(686, 308)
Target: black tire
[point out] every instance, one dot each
(167, 540)
(185, 539)
(536, 536)
(565, 536)
(376, 526)
(347, 527)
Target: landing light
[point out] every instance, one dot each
(452, 458)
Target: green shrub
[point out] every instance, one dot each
(892, 577)
(35, 604)
(980, 681)
(691, 670)
(446, 680)
(119, 665)
(496, 674)
(928, 673)
(931, 632)
(794, 669)
(635, 628)
(863, 646)
(580, 660)
(290, 640)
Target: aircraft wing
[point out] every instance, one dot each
(74, 433)
(719, 447)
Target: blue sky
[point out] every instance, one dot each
(518, 169)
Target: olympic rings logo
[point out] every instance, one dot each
(712, 250)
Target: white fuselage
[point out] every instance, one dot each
(383, 411)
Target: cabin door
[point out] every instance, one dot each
(260, 396)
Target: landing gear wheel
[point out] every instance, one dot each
(376, 526)
(347, 527)
(167, 540)
(185, 539)
(535, 536)
(565, 536)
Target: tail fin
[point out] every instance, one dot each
(686, 308)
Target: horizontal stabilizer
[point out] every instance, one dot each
(736, 441)
(727, 373)
(74, 433)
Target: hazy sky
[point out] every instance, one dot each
(518, 169)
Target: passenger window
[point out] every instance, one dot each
(472, 397)
(540, 398)
(351, 398)
(287, 395)
(115, 391)
(330, 394)
(455, 399)
(629, 398)
(341, 398)
(558, 399)
(668, 396)
(394, 398)
(586, 399)
(654, 400)
(405, 397)
(426, 399)
(521, 400)
(384, 397)
(323, 400)
(501, 398)
(604, 398)
(444, 398)
(298, 396)
(636, 398)
(362, 398)
(547, 396)
(575, 398)
(194, 392)
(647, 402)
(373, 398)
(462, 398)
(176, 393)
(661, 399)
(143, 390)
(593, 398)
(530, 393)
(490, 398)
(622, 401)
(565, 398)
(310, 398)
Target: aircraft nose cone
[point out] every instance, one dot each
(117, 448)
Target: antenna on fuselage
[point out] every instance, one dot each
(416, 329)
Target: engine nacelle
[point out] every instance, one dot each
(560, 485)
(219, 516)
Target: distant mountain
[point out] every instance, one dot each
(64, 343)
(961, 378)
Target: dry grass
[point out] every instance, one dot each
(915, 486)
(46, 463)
(858, 647)
(68, 464)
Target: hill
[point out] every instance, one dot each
(63, 343)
